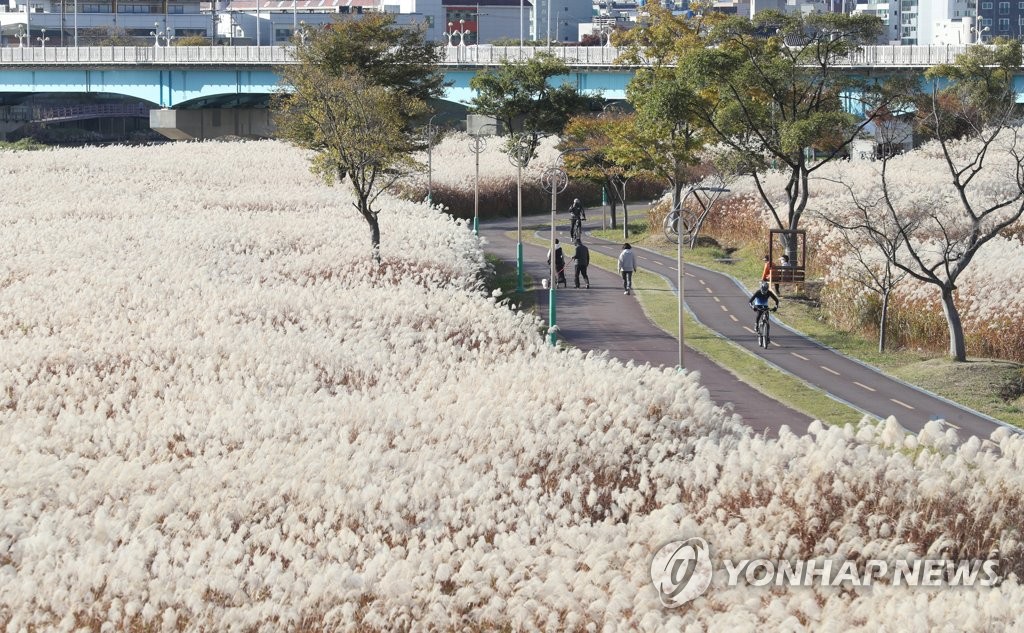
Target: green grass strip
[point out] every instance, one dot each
(660, 304)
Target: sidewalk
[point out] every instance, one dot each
(602, 318)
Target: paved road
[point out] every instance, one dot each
(720, 303)
(602, 318)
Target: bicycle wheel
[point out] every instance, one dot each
(762, 330)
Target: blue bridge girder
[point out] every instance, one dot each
(174, 77)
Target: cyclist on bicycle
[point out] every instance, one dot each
(577, 215)
(759, 302)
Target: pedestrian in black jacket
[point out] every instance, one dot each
(582, 259)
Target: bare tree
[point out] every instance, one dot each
(876, 270)
(974, 122)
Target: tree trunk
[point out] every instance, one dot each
(371, 219)
(611, 205)
(883, 324)
(957, 346)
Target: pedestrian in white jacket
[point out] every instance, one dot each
(627, 265)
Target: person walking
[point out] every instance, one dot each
(627, 266)
(577, 214)
(582, 259)
(559, 264)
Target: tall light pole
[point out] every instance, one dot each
(295, 17)
(520, 28)
(555, 181)
(679, 227)
(477, 144)
(520, 155)
(76, 23)
(547, 16)
(156, 34)
(430, 158)
(43, 39)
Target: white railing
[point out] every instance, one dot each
(486, 55)
(483, 55)
(903, 56)
(162, 55)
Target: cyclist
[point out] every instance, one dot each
(759, 303)
(577, 214)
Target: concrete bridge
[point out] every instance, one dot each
(207, 91)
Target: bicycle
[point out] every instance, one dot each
(763, 325)
(575, 229)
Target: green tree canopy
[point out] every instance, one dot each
(384, 53)
(522, 96)
(771, 90)
(352, 99)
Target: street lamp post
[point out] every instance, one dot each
(520, 155)
(21, 37)
(555, 181)
(156, 34)
(76, 24)
(678, 227)
(477, 144)
(430, 159)
(42, 39)
(520, 28)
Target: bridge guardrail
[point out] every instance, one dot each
(476, 55)
(487, 55)
(169, 55)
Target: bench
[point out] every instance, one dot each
(785, 275)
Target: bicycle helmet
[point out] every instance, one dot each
(764, 286)
(576, 201)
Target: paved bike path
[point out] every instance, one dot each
(602, 318)
(720, 303)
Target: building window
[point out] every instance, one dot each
(1004, 8)
(986, 5)
(1004, 24)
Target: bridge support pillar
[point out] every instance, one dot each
(184, 125)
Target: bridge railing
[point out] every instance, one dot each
(478, 55)
(163, 55)
(487, 55)
(903, 56)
